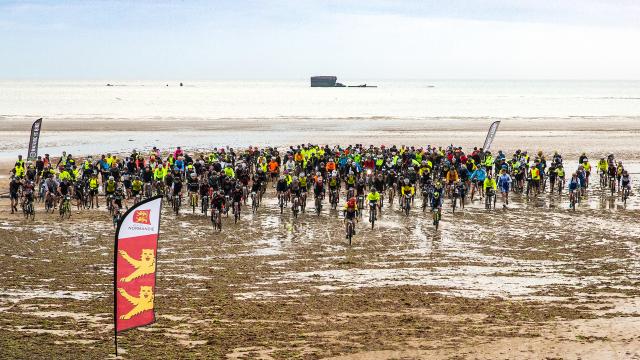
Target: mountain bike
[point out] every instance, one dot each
(372, 213)
(437, 215)
(116, 216)
(28, 208)
(65, 207)
(360, 204)
(176, 202)
(216, 219)
(392, 192)
(295, 206)
(254, 202)
(318, 204)
(490, 200)
(333, 199)
(573, 198)
(281, 202)
(350, 229)
(193, 201)
(204, 204)
(303, 201)
(236, 211)
(625, 194)
(407, 204)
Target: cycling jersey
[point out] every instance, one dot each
(373, 196)
(407, 189)
(490, 184)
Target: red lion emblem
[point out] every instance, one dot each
(142, 217)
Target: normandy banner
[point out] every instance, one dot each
(490, 135)
(136, 248)
(33, 140)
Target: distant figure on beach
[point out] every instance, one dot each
(180, 84)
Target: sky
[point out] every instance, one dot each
(294, 39)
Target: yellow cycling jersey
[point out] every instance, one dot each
(93, 184)
(373, 196)
(490, 183)
(602, 165)
(407, 189)
(111, 186)
(136, 185)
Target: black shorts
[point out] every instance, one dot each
(135, 193)
(13, 196)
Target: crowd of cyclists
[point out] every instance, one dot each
(350, 178)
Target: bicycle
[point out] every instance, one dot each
(216, 219)
(295, 205)
(407, 204)
(49, 203)
(392, 192)
(372, 213)
(318, 204)
(281, 202)
(490, 200)
(204, 204)
(437, 215)
(116, 216)
(625, 194)
(572, 199)
(147, 190)
(176, 202)
(303, 202)
(612, 185)
(350, 230)
(254, 202)
(333, 199)
(360, 204)
(65, 207)
(236, 211)
(28, 208)
(193, 201)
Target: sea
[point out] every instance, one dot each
(396, 99)
(282, 113)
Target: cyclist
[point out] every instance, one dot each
(477, 181)
(281, 187)
(14, 189)
(490, 186)
(136, 187)
(436, 198)
(574, 186)
(407, 188)
(504, 183)
(625, 181)
(93, 187)
(218, 202)
(236, 198)
(350, 211)
(587, 170)
(193, 186)
(28, 189)
(373, 197)
(110, 187)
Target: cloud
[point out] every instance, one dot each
(293, 39)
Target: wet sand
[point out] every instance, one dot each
(536, 281)
(570, 136)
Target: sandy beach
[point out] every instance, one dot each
(533, 282)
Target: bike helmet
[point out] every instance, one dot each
(111, 178)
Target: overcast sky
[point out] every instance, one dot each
(293, 39)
